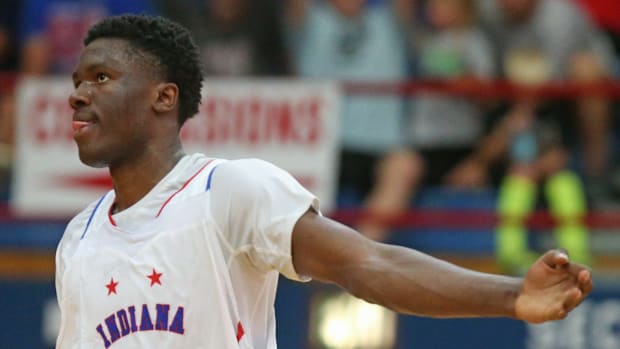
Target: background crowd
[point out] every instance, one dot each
(561, 152)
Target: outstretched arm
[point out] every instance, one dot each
(411, 282)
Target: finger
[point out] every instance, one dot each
(572, 299)
(583, 296)
(562, 250)
(584, 286)
(564, 257)
(582, 276)
(559, 313)
(556, 259)
(584, 279)
(575, 269)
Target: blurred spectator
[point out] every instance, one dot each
(540, 41)
(537, 154)
(7, 134)
(443, 131)
(343, 39)
(554, 38)
(235, 37)
(52, 30)
(9, 13)
(181, 11)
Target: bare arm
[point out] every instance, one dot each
(472, 172)
(411, 282)
(498, 140)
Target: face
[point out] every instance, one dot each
(446, 14)
(349, 8)
(112, 103)
(517, 10)
(228, 11)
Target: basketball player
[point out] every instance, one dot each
(185, 251)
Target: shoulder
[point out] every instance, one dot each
(252, 180)
(565, 7)
(240, 165)
(560, 13)
(246, 171)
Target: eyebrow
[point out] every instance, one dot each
(91, 67)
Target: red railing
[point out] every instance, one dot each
(471, 219)
(486, 89)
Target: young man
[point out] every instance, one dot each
(185, 251)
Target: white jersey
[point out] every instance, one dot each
(193, 264)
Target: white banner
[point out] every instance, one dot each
(290, 123)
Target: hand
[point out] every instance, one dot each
(519, 118)
(552, 287)
(468, 174)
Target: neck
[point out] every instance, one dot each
(134, 179)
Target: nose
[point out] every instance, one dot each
(80, 97)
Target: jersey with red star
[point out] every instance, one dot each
(182, 267)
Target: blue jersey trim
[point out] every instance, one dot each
(210, 177)
(90, 219)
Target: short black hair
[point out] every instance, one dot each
(168, 42)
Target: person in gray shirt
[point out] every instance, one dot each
(539, 41)
(442, 132)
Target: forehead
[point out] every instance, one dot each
(118, 54)
(105, 51)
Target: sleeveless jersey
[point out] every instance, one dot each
(193, 264)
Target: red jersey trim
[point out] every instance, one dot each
(183, 187)
(113, 222)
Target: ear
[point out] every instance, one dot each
(167, 96)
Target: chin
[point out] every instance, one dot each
(95, 164)
(92, 161)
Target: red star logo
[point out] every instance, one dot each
(111, 286)
(154, 278)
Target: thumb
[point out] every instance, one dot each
(556, 259)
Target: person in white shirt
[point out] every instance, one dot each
(185, 251)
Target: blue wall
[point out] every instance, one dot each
(595, 326)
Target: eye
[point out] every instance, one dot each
(101, 78)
